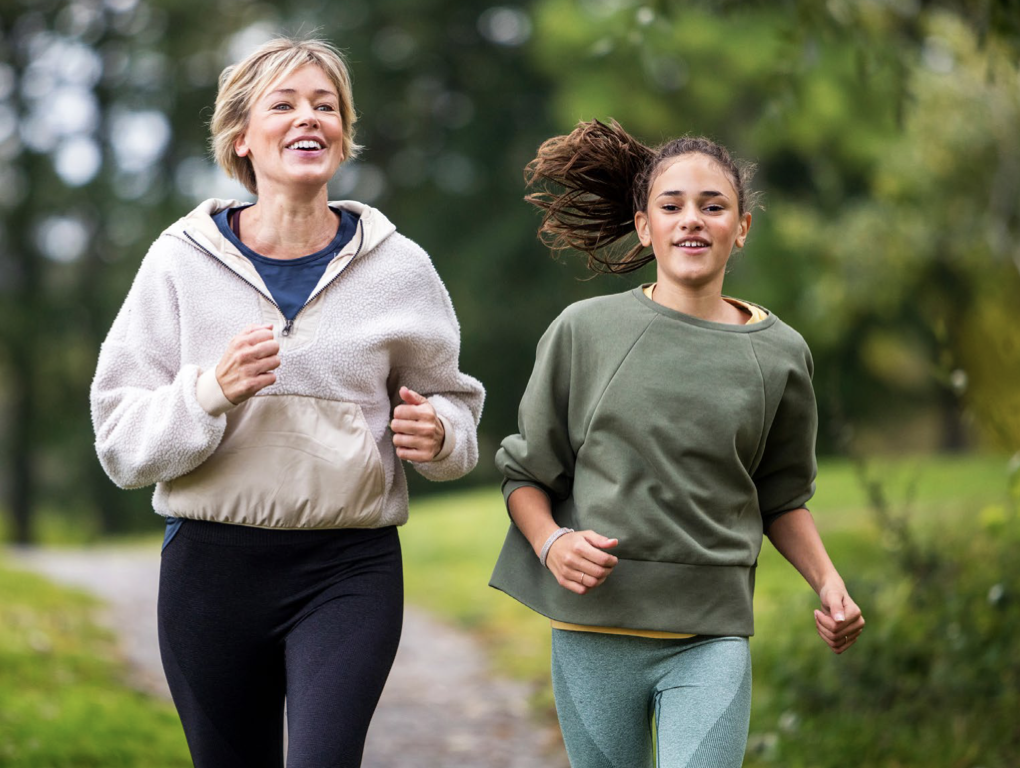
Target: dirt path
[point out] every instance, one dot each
(441, 707)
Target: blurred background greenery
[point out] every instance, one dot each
(887, 136)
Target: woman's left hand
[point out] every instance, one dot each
(418, 433)
(839, 622)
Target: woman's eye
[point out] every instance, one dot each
(281, 106)
(326, 107)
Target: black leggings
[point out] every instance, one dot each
(249, 617)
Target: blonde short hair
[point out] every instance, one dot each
(242, 83)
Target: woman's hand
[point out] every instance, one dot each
(248, 364)
(418, 432)
(579, 561)
(839, 622)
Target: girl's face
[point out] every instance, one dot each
(692, 223)
(294, 136)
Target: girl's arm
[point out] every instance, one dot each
(839, 622)
(577, 559)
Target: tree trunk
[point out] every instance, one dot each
(22, 485)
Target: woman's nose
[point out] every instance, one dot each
(307, 116)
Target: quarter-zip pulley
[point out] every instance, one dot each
(288, 327)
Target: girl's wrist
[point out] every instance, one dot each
(553, 537)
(829, 582)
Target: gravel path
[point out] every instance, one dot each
(441, 707)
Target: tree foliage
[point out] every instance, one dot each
(883, 132)
(885, 136)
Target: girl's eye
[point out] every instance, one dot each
(670, 207)
(713, 208)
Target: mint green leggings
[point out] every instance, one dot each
(634, 702)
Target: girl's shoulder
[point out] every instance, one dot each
(601, 309)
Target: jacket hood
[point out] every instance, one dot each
(198, 225)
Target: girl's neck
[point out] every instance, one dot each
(285, 228)
(706, 304)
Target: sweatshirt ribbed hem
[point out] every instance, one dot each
(230, 534)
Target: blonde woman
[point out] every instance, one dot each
(272, 364)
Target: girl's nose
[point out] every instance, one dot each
(691, 218)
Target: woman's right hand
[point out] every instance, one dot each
(579, 561)
(248, 364)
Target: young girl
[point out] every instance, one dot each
(663, 432)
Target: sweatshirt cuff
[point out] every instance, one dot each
(210, 395)
(449, 439)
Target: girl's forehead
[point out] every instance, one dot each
(692, 172)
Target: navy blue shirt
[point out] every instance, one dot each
(291, 281)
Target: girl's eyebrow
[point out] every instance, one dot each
(680, 193)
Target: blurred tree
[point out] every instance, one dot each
(864, 116)
(103, 128)
(846, 106)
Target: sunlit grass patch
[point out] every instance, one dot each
(63, 699)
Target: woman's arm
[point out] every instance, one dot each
(150, 424)
(839, 622)
(436, 406)
(578, 559)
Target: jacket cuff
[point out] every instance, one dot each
(449, 439)
(210, 395)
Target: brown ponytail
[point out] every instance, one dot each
(606, 175)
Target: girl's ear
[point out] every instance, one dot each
(745, 227)
(641, 226)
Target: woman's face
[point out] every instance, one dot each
(692, 223)
(294, 136)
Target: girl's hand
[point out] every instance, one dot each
(579, 561)
(418, 433)
(839, 622)
(248, 364)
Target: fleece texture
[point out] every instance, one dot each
(379, 318)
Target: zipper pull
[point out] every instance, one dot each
(287, 327)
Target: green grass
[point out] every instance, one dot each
(451, 544)
(63, 700)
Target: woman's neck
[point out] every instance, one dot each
(288, 228)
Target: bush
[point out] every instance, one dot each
(935, 679)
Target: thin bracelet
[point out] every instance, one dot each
(550, 541)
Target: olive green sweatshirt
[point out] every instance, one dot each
(683, 438)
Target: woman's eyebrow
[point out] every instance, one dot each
(289, 91)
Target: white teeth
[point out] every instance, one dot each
(307, 144)
(693, 244)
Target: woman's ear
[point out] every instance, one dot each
(241, 145)
(641, 226)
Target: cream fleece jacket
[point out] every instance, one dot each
(314, 449)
